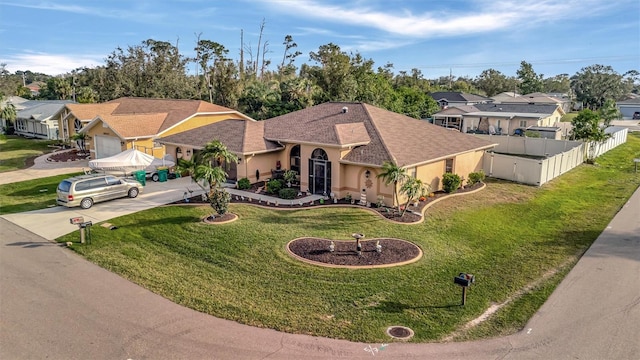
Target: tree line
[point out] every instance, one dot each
(157, 69)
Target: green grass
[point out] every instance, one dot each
(569, 116)
(16, 150)
(29, 195)
(508, 235)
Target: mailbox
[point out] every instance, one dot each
(464, 279)
(85, 224)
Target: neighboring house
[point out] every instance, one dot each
(501, 118)
(629, 107)
(37, 118)
(16, 101)
(539, 99)
(34, 88)
(451, 98)
(339, 148)
(504, 95)
(127, 123)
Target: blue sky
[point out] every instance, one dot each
(464, 37)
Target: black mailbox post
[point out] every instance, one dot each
(85, 225)
(464, 280)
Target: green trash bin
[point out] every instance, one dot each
(163, 174)
(141, 177)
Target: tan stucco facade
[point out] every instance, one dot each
(349, 178)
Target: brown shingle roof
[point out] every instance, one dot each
(393, 137)
(144, 117)
(88, 112)
(142, 125)
(240, 136)
(177, 110)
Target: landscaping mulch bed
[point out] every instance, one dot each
(70, 155)
(412, 215)
(219, 218)
(393, 251)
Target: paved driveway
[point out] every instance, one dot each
(53, 222)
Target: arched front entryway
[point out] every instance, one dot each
(319, 172)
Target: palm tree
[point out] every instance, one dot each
(205, 170)
(393, 174)
(80, 140)
(8, 113)
(412, 188)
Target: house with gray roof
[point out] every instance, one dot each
(452, 98)
(630, 107)
(339, 148)
(36, 118)
(502, 118)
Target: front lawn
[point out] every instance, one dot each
(16, 150)
(30, 195)
(507, 235)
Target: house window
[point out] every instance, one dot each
(294, 158)
(448, 166)
(523, 123)
(413, 172)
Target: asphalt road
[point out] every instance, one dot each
(56, 305)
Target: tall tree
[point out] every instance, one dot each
(333, 75)
(530, 82)
(493, 82)
(594, 84)
(557, 84)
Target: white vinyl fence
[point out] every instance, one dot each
(535, 161)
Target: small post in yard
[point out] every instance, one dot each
(636, 161)
(464, 280)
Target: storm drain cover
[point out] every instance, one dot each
(400, 332)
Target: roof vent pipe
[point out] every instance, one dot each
(345, 109)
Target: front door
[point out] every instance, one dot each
(319, 177)
(319, 173)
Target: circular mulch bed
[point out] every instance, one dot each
(316, 251)
(220, 219)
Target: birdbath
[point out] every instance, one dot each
(358, 236)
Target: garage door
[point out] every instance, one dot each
(107, 146)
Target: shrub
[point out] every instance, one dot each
(348, 197)
(244, 184)
(476, 177)
(451, 182)
(274, 186)
(289, 176)
(287, 193)
(219, 201)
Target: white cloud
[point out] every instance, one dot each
(480, 16)
(51, 64)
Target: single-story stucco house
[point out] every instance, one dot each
(501, 118)
(135, 123)
(338, 148)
